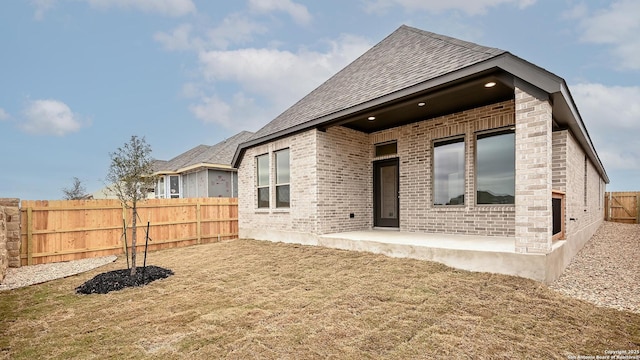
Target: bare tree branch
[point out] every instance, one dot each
(129, 177)
(76, 192)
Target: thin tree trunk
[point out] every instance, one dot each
(133, 239)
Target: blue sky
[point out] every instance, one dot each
(79, 77)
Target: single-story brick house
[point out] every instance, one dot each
(204, 171)
(430, 136)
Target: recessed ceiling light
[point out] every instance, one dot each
(422, 104)
(371, 118)
(490, 84)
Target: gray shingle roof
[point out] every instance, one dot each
(218, 154)
(407, 57)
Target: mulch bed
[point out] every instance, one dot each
(119, 279)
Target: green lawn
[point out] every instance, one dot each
(249, 299)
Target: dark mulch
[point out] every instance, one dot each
(120, 279)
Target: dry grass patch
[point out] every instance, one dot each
(250, 299)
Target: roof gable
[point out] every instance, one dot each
(406, 57)
(412, 61)
(218, 154)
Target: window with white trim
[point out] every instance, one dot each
(282, 178)
(161, 190)
(262, 180)
(174, 186)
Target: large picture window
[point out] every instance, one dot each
(262, 169)
(282, 178)
(448, 172)
(496, 168)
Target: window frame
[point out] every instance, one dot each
(160, 185)
(257, 183)
(561, 196)
(485, 134)
(178, 194)
(462, 138)
(383, 144)
(278, 185)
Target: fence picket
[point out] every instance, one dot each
(54, 231)
(623, 207)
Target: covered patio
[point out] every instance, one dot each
(467, 252)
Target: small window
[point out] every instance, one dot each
(448, 172)
(174, 186)
(161, 189)
(585, 180)
(496, 168)
(262, 166)
(282, 178)
(558, 208)
(390, 148)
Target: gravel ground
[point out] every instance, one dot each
(36, 274)
(605, 272)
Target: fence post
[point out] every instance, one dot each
(125, 245)
(609, 208)
(199, 222)
(638, 208)
(29, 236)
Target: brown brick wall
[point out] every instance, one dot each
(340, 183)
(331, 177)
(533, 173)
(344, 180)
(559, 161)
(415, 149)
(584, 216)
(302, 216)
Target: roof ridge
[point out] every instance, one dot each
(454, 41)
(404, 58)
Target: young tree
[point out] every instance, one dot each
(129, 177)
(76, 192)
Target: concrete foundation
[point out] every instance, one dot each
(465, 252)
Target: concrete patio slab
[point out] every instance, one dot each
(466, 252)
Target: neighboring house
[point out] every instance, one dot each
(106, 193)
(430, 136)
(204, 171)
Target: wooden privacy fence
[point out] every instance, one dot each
(622, 207)
(54, 231)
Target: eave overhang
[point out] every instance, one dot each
(507, 70)
(191, 168)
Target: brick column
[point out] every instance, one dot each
(533, 171)
(4, 259)
(11, 209)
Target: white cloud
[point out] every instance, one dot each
(471, 7)
(213, 110)
(4, 115)
(50, 117)
(298, 13)
(239, 113)
(178, 39)
(617, 26)
(234, 29)
(282, 77)
(164, 7)
(268, 80)
(42, 6)
(612, 115)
